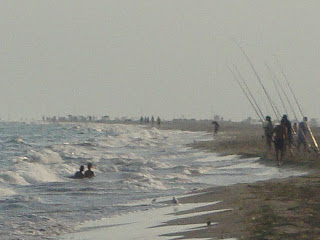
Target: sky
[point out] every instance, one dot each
(167, 58)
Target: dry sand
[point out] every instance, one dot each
(275, 209)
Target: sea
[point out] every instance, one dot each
(133, 164)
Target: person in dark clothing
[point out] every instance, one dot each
(89, 173)
(280, 135)
(302, 134)
(216, 127)
(79, 174)
(268, 131)
(288, 125)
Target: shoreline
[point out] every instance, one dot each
(286, 208)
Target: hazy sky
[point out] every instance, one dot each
(166, 58)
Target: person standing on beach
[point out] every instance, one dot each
(89, 173)
(268, 131)
(216, 127)
(302, 134)
(289, 139)
(280, 135)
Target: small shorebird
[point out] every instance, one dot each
(174, 200)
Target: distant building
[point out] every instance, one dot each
(105, 118)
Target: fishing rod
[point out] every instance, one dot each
(275, 85)
(287, 98)
(275, 81)
(248, 90)
(285, 77)
(246, 94)
(259, 80)
(277, 110)
(307, 125)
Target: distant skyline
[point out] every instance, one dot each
(162, 58)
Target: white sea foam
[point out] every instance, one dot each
(141, 181)
(12, 178)
(5, 192)
(45, 156)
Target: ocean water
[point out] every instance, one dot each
(133, 165)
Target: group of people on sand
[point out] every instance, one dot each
(282, 136)
(87, 174)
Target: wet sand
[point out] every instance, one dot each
(274, 209)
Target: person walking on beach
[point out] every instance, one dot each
(268, 131)
(89, 173)
(280, 135)
(79, 174)
(158, 121)
(302, 134)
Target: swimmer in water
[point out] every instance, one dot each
(79, 174)
(89, 173)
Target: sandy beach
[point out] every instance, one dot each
(275, 209)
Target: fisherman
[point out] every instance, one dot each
(216, 127)
(268, 131)
(289, 139)
(79, 174)
(89, 173)
(280, 135)
(302, 133)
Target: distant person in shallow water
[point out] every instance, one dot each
(79, 174)
(89, 173)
